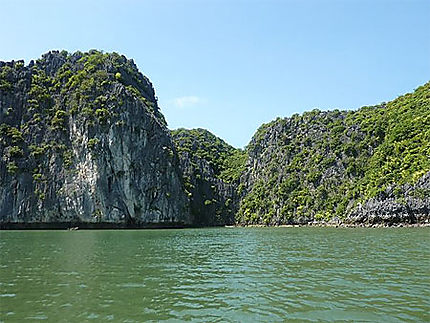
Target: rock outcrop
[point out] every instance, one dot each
(408, 204)
(205, 163)
(326, 165)
(83, 141)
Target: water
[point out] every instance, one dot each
(222, 274)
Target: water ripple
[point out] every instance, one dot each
(219, 275)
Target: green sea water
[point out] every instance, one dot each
(218, 274)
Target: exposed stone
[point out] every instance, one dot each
(398, 204)
(83, 143)
(111, 171)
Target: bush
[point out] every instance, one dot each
(92, 143)
(102, 115)
(15, 152)
(12, 168)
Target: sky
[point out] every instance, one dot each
(231, 65)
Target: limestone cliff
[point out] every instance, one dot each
(211, 168)
(363, 166)
(82, 141)
(396, 204)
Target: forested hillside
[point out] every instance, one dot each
(320, 165)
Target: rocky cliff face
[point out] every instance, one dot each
(83, 141)
(341, 165)
(300, 168)
(397, 204)
(206, 162)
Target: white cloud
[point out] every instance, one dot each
(187, 101)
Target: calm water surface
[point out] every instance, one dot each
(224, 274)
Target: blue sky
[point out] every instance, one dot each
(228, 66)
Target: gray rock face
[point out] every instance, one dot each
(398, 204)
(317, 168)
(83, 142)
(297, 169)
(99, 154)
(213, 201)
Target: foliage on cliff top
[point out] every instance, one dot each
(38, 100)
(86, 79)
(226, 161)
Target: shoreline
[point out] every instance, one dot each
(73, 226)
(153, 226)
(336, 225)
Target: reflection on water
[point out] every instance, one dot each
(223, 274)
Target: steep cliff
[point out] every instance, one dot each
(341, 165)
(82, 140)
(211, 169)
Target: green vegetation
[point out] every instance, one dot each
(5, 76)
(93, 142)
(37, 177)
(322, 163)
(10, 135)
(316, 166)
(225, 160)
(12, 168)
(35, 133)
(15, 151)
(404, 154)
(58, 122)
(38, 151)
(233, 166)
(211, 169)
